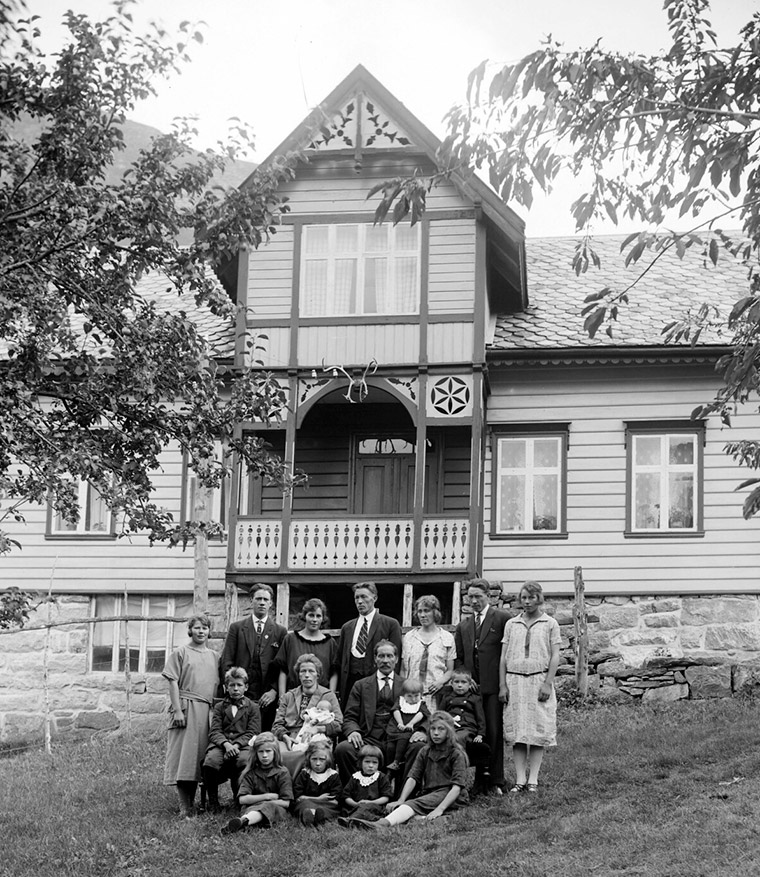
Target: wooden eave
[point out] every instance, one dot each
(620, 355)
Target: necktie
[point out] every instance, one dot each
(361, 642)
(477, 627)
(424, 662)
(259, 627)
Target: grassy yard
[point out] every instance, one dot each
(629, 791)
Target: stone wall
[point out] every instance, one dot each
(659, 648)
(78, 702)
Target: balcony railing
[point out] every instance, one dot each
(351, 544)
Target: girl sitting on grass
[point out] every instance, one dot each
(317, 787)
(266, 789)
(439, 773)
(369, 789)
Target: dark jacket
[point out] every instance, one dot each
(239, 729)
(489, 648)
(382, 627)
(240, 646)
(359, 714)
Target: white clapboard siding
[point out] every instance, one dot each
(356, 345)
(450, 342)
(451, 272)
(272, 350)
(82, 565)
(270, 277)
(597, 401)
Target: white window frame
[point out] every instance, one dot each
(361, 255)
(529, 472)
(664, 469)
(57, 531)
(172, 639)
(220, 496)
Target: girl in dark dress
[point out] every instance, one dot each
(316, 788)
(369, 789)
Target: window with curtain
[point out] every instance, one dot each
(95, 518)
(529, 484)
(358, 269)
(664, 479)
(145, 643)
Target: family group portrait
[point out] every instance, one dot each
(379, 438)
(377, 730)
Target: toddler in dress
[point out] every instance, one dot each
(321, 714)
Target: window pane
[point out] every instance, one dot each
(546, 453)
(97, 519)
(545, 502)
(376, 287)
(681, 450)
(316, 240)
(406, 285)
(681, 490)
(344, 293)
(647, 501)
(513, 453)
(647, 450)
(62, 526)
(102, 634)
(315, 287)
(347, 238)
(376, 239)
(155, 656)
(407, 237)
(512, 511)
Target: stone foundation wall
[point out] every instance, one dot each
(659, 648)
(79, 702)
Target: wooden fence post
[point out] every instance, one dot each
(127, 667)
(581, 634)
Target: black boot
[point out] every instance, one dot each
(211, 782)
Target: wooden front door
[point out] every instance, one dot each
(384, 476)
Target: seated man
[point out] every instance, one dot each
(369, 709)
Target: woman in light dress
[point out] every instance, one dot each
(193, 675)
(529, 660)
(428, 651)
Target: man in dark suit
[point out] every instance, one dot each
(478, 645)
(369, 709)
(358, 638)
(252, 644)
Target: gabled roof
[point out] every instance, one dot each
(553, 321)
(360, 114)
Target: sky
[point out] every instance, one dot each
(269, 63)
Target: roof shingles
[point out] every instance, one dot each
(671, 287)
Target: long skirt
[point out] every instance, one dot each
(186, 747)
(271, 812)
(427, 802)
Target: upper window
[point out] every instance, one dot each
(360, 269)
(95, 518)
(148, 642)
(529, 483)
(664, 478)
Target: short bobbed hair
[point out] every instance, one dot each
(428, 601)
(312, 605)
(308, 658)
(534, 589)
(370, 751)
(204, 620)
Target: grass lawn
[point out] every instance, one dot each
(672, 790)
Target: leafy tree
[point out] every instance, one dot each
(673, 135)
(95, 379)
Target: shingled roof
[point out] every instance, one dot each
(553, 320)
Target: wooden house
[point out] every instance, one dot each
(452, 415)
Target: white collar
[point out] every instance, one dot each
(381, 679)
(365, 781)
(320, 778)
(370, 616)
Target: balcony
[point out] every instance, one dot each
(352, 543)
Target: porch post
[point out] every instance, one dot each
(419, 474)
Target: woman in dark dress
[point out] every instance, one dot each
(308, 638)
